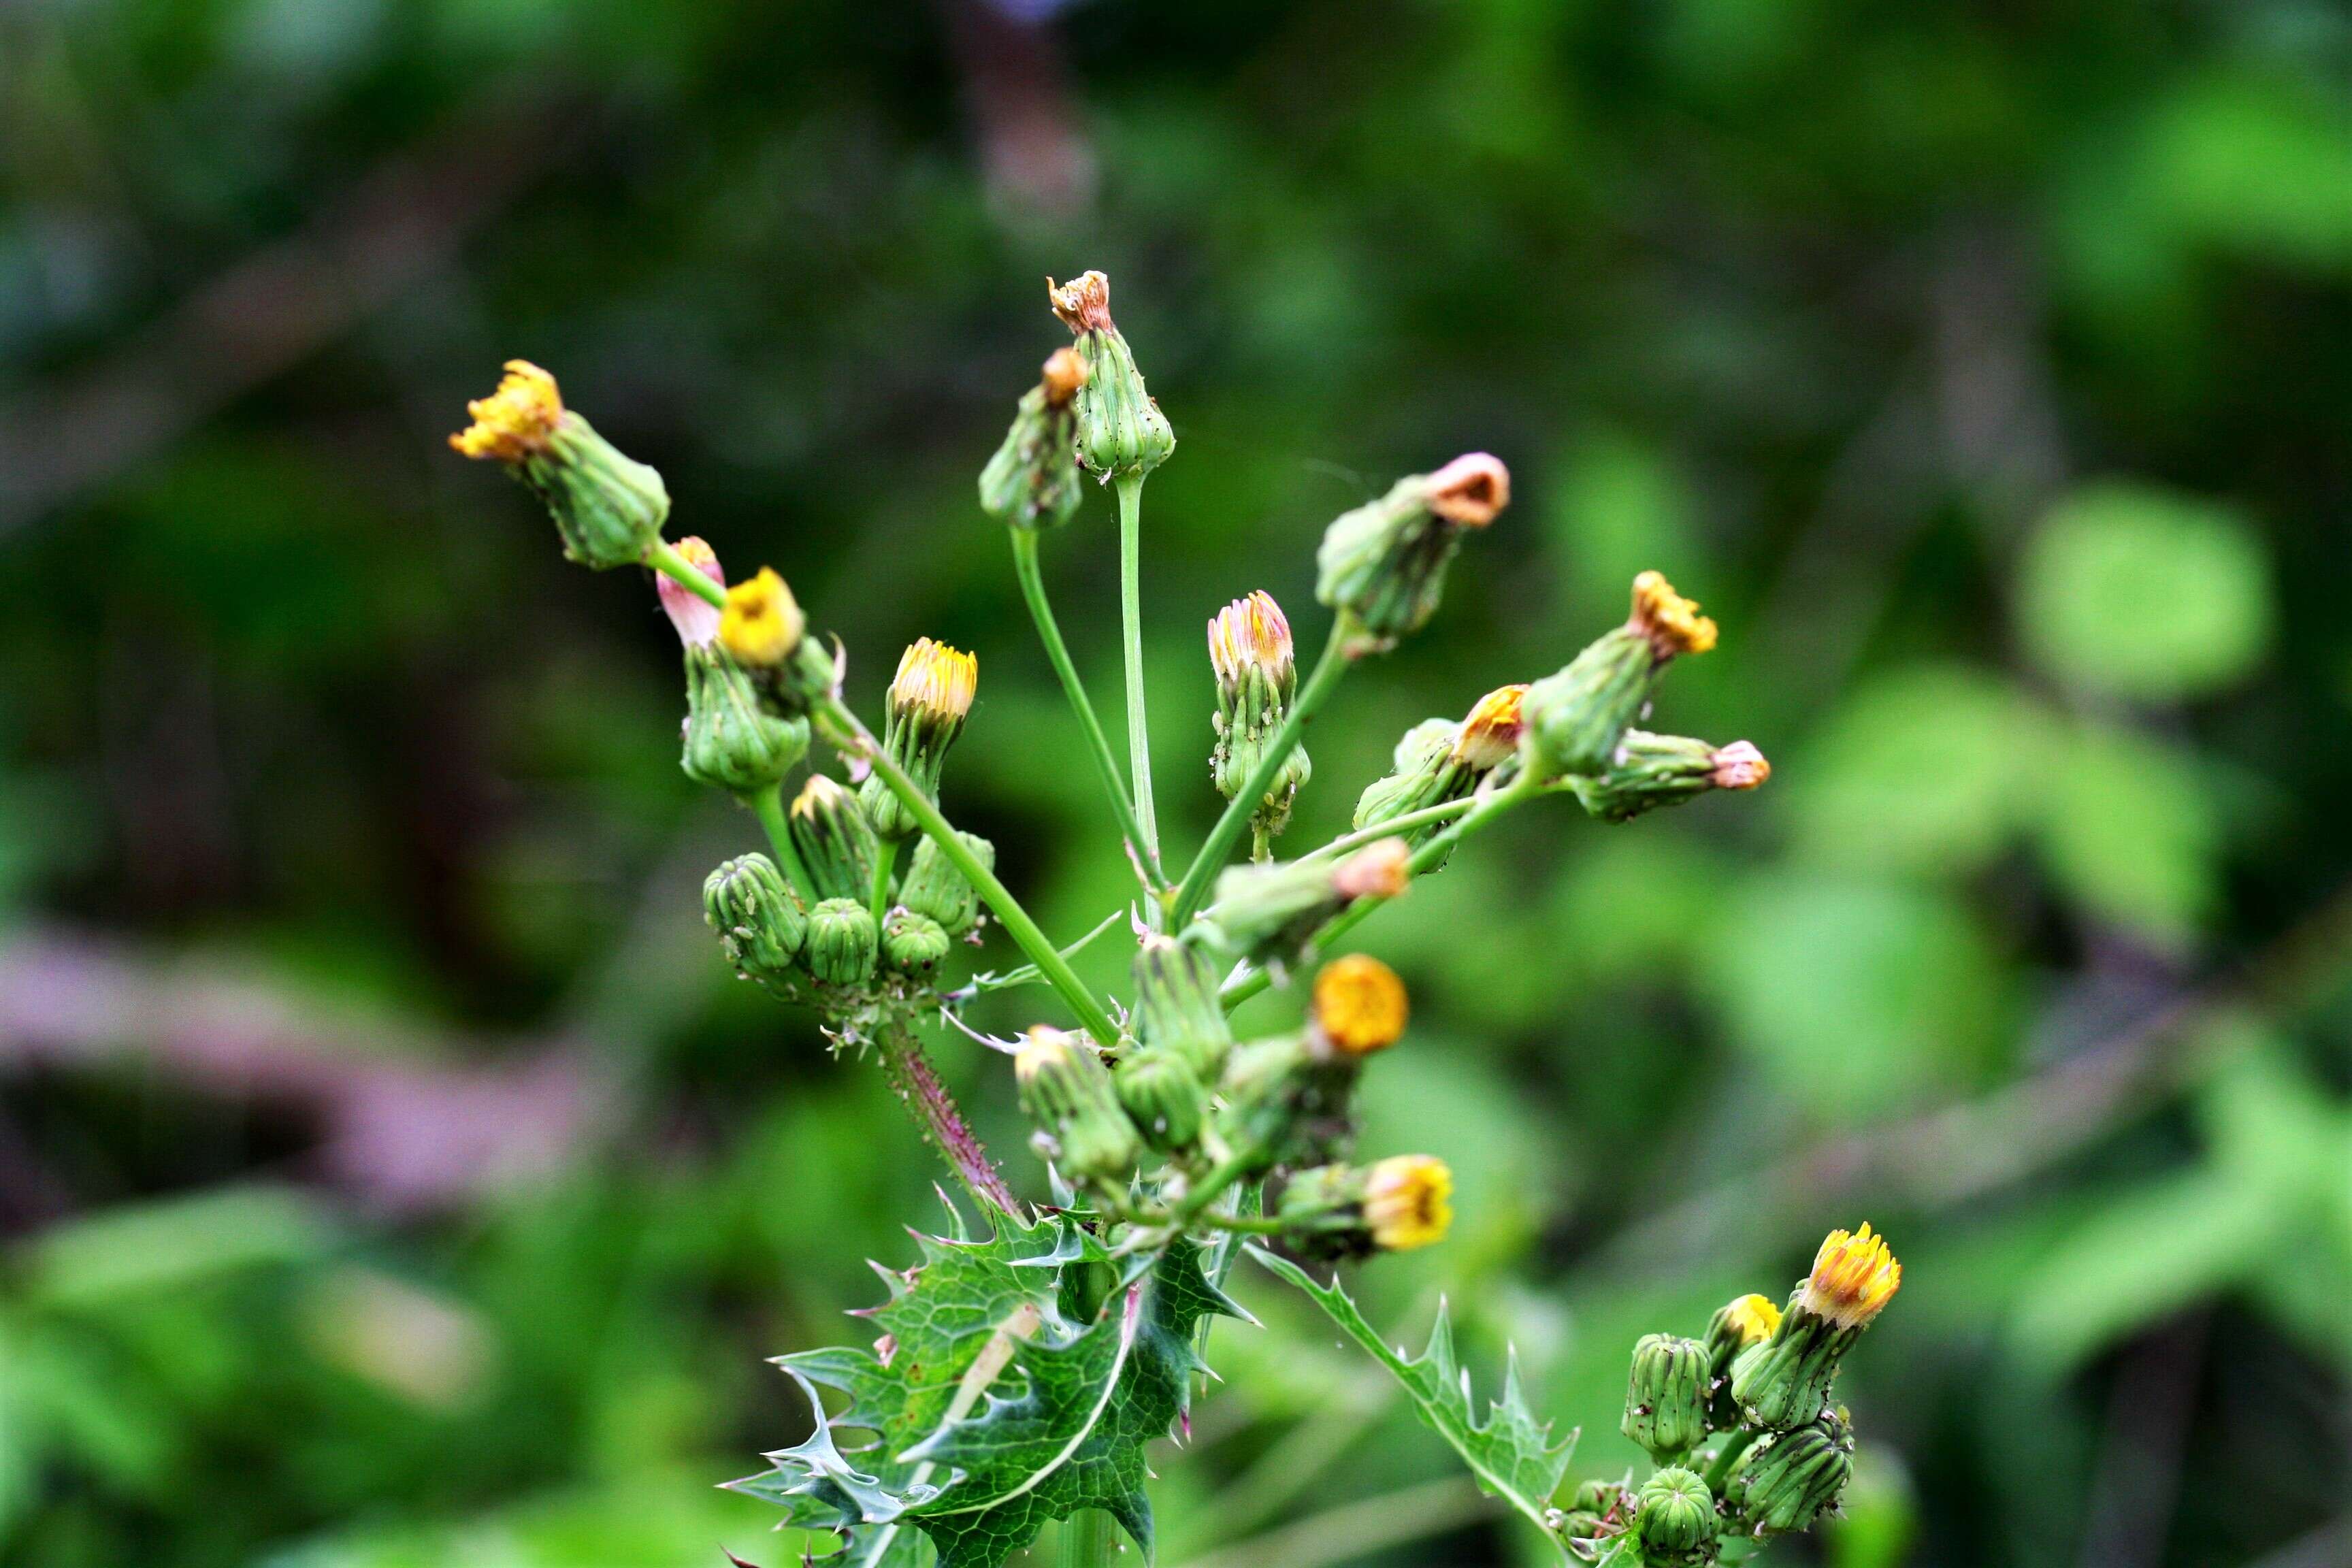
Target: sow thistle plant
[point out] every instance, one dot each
(1023, 1363)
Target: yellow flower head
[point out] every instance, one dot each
(515, 422)
(1740, 765)
(1854, 1278)
(1409, 1202)
(1490, 735)
(1468, 491)
(1043, 1049)
(1360, 1005)
(820, 795)
(761, 623)
(934, 682)
(1670, 622)
(1752, 1318)
(1065, 374)
(1251, 631)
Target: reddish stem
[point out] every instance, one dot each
(934, 1111)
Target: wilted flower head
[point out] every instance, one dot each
(1378, 870)
(1083, 303)
(1468, 491)
(516, 421)
(763, 622)
(935, 682)
(1490, 735)
(1740, 765)
(1670, 622)
(696, 619)
(1854, 1276)
(1409, 1202)
(1360, 1005)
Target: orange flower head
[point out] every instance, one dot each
(1670, 622)
(1360, 1005)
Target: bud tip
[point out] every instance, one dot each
(516, 420)
(935, 680)
(1489, 736)
(1469, 490)
(1250, 631)
(1378, 870)
(1065, 374)
(1670, 622)
(1740, 765)
(1854, 1276)
(1083, 303)
(1409, 1202)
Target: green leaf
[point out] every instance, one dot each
(1510, 1452)
(2141, 593)
(2129, 833)
(1062, 1425)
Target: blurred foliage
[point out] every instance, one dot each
(1980, 366)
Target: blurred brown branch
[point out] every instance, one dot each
(398, 1129)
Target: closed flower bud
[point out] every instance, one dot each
(923, 715)
(1162, 1096)
(842, 942)
(732, 741)
(1790, 1479)
(1360, 1005)
(1422, 774)
(1666, 1396)
(1176, 1005)
(913, 942)
(933, 886)
(1383, 565)
(835, 840)
(1033, 479)
(1576, 718)
(1674, 1514)
(1598, 1510)
(757, 916)
(1267, 912)
(1655, 771)
(1067, 1092)
(1249, 648)
(1120, 429)
(608, 508)
(1785, 1381)
(696, 619)
(763, 629)
(1491, 731)
(1409, 1202)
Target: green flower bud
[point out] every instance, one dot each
(1654, 770)
(762, 626)
(1267, 912)
(732, 741)
(1784, 1381)
(841, 942)
(1383, 565)
(912, 941)
(1666, 1396)
(1176, 1006)
(932, 886)
(1598, 1510)
(1439, 760)
(1120, 429)
(1249, 648)
(1790, 1479)
(757, 915)
(1576, 718)
(924, 713)
(1737, 1325)
(835, 840)
(608, 508)
(1067, 1092)
(1675, 1513)
(1162, 1096)
(1033, 479)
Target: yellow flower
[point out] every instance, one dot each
(1752, 1318)
(1854, 1278)
(1251, 631)
(1671, 622)
(1490, 735)
(934, 682)
(1360, 1005)
(1409, 1202)
(761, 623)
(516, 420)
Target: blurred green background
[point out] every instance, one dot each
(390, 1173)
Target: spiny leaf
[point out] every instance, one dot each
(1510, 1452)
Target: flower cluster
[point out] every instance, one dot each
(1747, 1440)
(1167, 1137)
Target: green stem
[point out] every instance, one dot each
(1087, 1540)
(878, 896)
(1483, 811)
(664, 558)
(1394, 826)
(1130, 615)
(1219, 847)
(1720, 1471)
(853, 734)
(768, 805)
(1033, 588)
